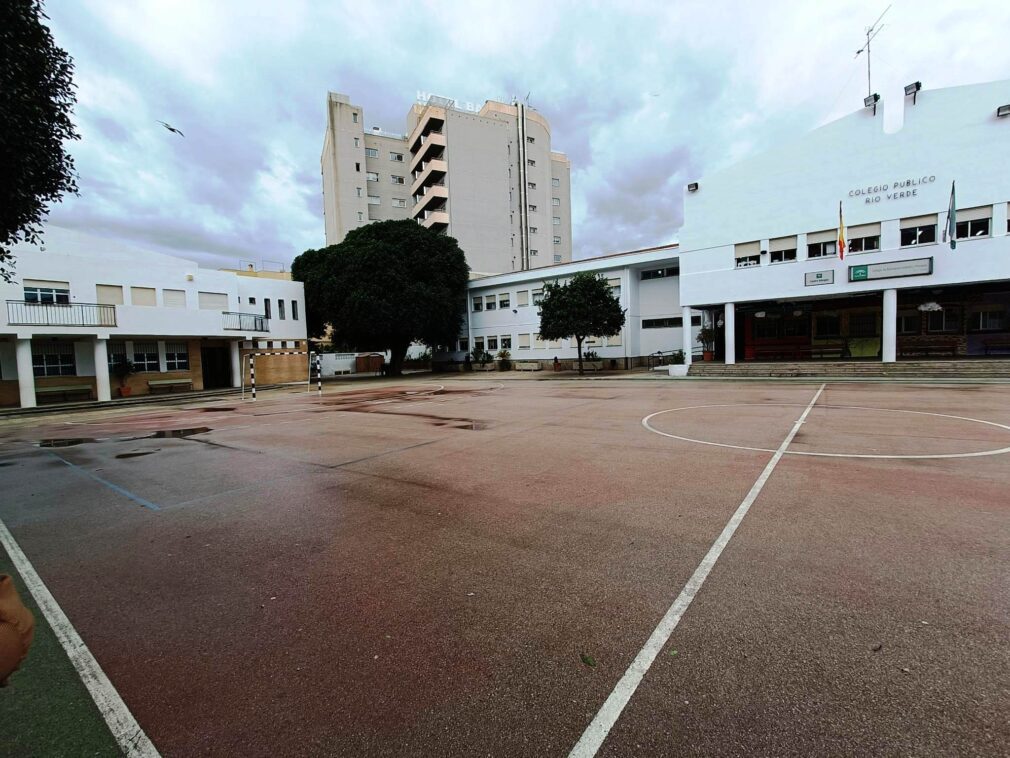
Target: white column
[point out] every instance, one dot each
(730, 325)
(102, 369)
(26, 376)
(687, 335)
(236, 364)
(889, 340)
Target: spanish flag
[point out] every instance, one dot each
(841, 233)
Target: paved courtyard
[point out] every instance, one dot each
(470, 567)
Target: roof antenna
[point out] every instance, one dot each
(871, 32)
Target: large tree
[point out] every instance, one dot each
(36, 101)
(581, 307)
(388, 284)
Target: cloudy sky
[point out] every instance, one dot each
(643, 96)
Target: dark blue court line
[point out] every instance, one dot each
(107, 483)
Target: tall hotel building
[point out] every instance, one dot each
(487, 177)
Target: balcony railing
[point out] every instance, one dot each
(25, 313)
(246, 322)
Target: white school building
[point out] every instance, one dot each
(76, 306)
(758, 255)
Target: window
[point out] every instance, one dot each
(357, 166)
(555, 182)
(266, 307)
(177, 298)
(252, 301)
(463, 344)
(53, 358)
(827, 325)
(920, 230)
(530, 162)
(531, 185)
(659, 273)
(374, 200)
(143, 296)
(478, 343)
(503, 300)
(534, 251)
(372, 176)
(492, 344)
(989, 319)
(176, 356)
(523, 341)
(531, 140)
(782, 250)
(946, 321)
(538, 342)
(522, 298)
(614, 341)
(357, 142)
(673, 322)
(975, 228)
(145, 356)
(538, 296)
(395, 179)
(557, 240)
(478, 304)
(863, 324)
(533, 230)
(354, 118)
(747, 254)
(506, 342)
(557, 259)
(371, 152)
(909, 322)
(294, 310)
(864, 244)
(361, 216)
(822, 249)
(358, 190)
(212, 301)
(47, 292)
(110, 294)
(782, 256)
(556, 202)
(280, 309)
(533, 208)
(489, 302)
(557, 221)
(398, 157)
(399, 202)
(116, 353)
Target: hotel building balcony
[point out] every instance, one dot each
(432, 172)
(429, 198)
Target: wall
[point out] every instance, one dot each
(276, 369)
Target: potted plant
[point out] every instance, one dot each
(706, 338)
(677, 366)
(122, 368)
(504, 360)
(591, 360)
(482, 359)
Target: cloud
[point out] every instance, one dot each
(643, 96)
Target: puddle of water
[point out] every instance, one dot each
(215, 410)
(136, 454)
(67, 442)
(6, 463)
(175, 433)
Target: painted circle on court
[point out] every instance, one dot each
(646, 422)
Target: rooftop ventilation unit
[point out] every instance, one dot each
(1003, 111)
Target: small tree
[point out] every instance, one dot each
(583, 306)
(36, 79)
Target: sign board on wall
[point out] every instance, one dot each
(892, 270)
(812, 278)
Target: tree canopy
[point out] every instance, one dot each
(35, 109)
(581, 307)
(388, 284)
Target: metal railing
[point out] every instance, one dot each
(246, 322)
(27, 313)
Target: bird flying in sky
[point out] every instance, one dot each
(171, 129)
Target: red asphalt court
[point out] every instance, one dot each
(429, 567)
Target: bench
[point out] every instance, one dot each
(996, 344)
(828, 350)
(528, 366)
(63, 392)
(168, 385)
(944, 347)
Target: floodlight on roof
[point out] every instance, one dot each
(911, 89)
(870, 101)
(1003, 110)
(692, 187)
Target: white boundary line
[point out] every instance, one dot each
(598, 729)
(978, 454)
(131, 738)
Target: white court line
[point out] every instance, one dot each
(598, 729)
(131, 738)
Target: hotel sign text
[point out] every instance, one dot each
(895, 190)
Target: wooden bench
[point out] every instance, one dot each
(996, 344)
(936, 347)
(528, 366)
(168, 385)
(827, 350)
(63, 392)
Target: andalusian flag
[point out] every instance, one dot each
(950, 230)
(841, 233)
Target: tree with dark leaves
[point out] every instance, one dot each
(581, 307)
(387, 285)
(36, 102)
